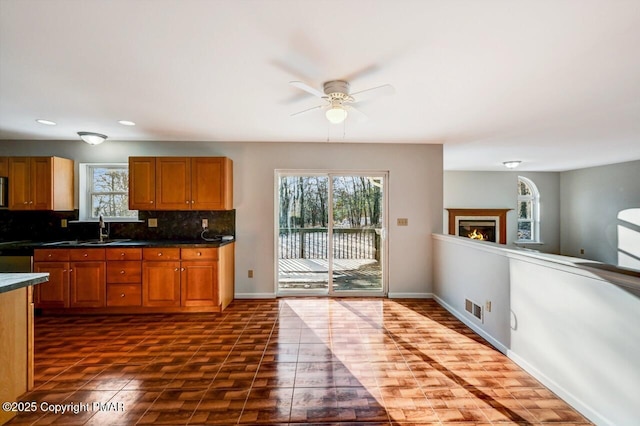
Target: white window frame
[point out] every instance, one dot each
(85, 184)
(535, 210)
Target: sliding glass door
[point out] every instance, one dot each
(330, 233)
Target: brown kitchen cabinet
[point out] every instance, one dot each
(180, 183)
(161, 277)
(136, 280)
(40, 183)
(87, 278)
(142, 183)
(55, 292)
(124, 276)
(4, 166)
(199, 277)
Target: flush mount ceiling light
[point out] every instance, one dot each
(512, 164)
(92, 138)
(46, 122)
(127, 123)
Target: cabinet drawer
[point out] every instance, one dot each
(124, 295)
(51, 255)
(124, 253)
(124, 271)
(152, 253)
(79, 255)
(199, 254)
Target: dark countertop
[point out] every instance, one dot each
(14, 281)
(26, 248)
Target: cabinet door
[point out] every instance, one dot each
(209, 189)
(4, 166)
(55, 292)
(173, 187)
(19, 183)
(87, 285)
(199, 283)
(142, 183)
(41, 184)
(161, 283)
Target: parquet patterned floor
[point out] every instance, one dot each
(286, 361)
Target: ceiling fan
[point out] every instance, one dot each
(339, 102)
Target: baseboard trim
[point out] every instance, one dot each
(495, 343)
(255, 295)
(410, 295)
(567, 396)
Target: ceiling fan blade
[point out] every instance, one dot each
(358, 115)
(307, 88)
(307, 110)
(374, 92)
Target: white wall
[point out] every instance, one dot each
(477, 272)
(499, 190)
(415, 192)
(592, 200)
(571, 325)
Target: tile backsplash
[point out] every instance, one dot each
(172, 225)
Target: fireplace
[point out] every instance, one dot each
(476, 229)
(479, 224)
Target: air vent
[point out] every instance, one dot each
(473, 308)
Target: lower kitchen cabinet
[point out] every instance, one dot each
(161, 283)
(55, 292)
(136, 280)
(87, 286)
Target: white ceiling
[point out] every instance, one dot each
(553, 83)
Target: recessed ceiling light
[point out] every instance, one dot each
(46, 122)
(127, 123)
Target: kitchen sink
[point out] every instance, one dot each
(87, 242)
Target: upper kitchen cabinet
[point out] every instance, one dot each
(180, 183)
(40, 183)
(142, 183)
(4, 166)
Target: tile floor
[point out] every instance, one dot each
(286, 361)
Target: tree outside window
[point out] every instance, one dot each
(528, 211)
(108, 192)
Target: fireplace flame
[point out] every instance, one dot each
(475, 235)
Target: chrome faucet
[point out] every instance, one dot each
(101, 227)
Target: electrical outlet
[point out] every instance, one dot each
(153, 222)
(63, 223)
(581, 251)
(403, 221)
(488, 306)
(250, 273)
(205, 223)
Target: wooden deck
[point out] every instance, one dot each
(348, 274)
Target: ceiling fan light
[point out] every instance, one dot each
(512, 164)
(336, 114)
(92, 138)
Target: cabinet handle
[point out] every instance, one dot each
(26, 202)
(182, 269)
(121, 254)
(122, 295)
(30, 202)
(49, 255)
(176, 269)
(122, 272)
(192, 201)
(159, 253)
(187, 201)
(85, 255)
(70, 269)
(151, 202)
(199, 254)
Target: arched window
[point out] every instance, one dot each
(528, 211)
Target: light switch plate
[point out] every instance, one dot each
(153, 222)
